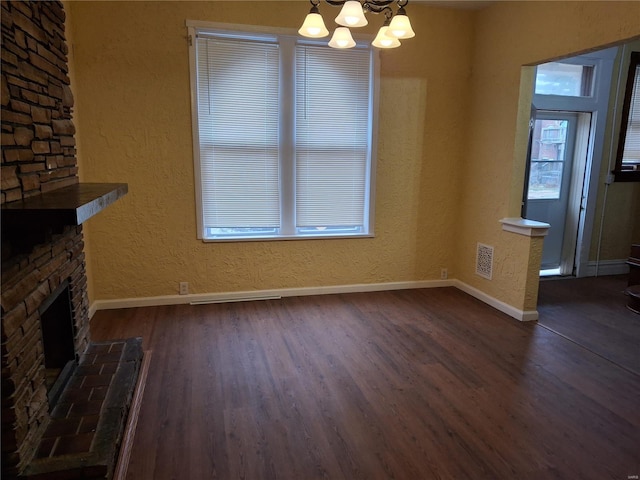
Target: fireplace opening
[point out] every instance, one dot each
(58, 341)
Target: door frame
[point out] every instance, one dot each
(597, 105)
(568, 263)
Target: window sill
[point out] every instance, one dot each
(284, 237)
(627, 176)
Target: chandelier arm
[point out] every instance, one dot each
(376, 6)
(402, 3)
(373, 6)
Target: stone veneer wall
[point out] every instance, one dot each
(38, 155)
(38, 147)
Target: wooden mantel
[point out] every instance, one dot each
(71, 205)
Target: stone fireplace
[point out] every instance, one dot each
(27, 281)
(45, 310)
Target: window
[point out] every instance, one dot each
(565, 79)
(628, 158)
(548, 150)
(283, 130)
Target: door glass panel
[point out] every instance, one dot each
(564, 79)
(547, 159)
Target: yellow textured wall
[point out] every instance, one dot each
(509, 35)
(72, 76)
(133, 102)
(446, 168)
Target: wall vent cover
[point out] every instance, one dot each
(484, 261)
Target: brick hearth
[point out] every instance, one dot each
(88, 421)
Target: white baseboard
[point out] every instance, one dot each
(522, 315)
(607, 267)
(223, 297)
(202, 298)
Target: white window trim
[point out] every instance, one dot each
(290, 35)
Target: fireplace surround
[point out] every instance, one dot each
(43, 266)
(28, 280)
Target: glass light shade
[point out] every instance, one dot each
(383, 40)
(401, 26)
(342, 38)
(313, 26)
(352, 15)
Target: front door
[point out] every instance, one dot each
(550, 168)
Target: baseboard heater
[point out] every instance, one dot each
(235, 299)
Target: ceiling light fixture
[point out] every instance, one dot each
(352, 15)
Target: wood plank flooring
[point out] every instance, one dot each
(412, 384)
(592, 312)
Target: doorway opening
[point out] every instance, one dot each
(566, 138)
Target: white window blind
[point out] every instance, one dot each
(238, 129)
(283, 132)
(332, 138)
(631, 154)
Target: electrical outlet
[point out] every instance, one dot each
(184, 288)
(444, 274)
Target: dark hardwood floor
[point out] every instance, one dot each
(413, 384)
(592, 312)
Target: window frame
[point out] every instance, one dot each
(289, 39)
(622, 175)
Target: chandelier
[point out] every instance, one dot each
(352, 15)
